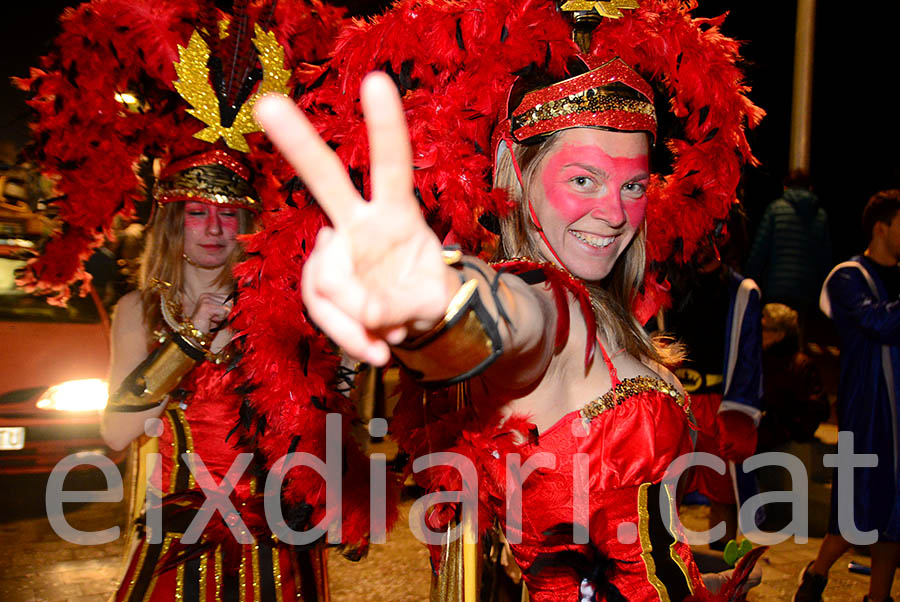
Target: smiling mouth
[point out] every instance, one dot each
(598, 242)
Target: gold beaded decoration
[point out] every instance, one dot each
(611, 95)
(193, 85)
(592, 100)
(172, 314)
(629, 388)
(214, 184)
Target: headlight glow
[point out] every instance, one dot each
(88, 395)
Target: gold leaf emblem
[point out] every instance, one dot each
(194, 86)
(610, 8)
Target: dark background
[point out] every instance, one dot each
(856, 115)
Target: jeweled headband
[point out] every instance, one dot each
(214, 177)
(612, 95)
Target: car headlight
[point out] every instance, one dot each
(88, 395)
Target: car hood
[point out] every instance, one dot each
(42, 354)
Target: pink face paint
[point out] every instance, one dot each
(203, 219)
(582, 179)
(589, 198)
(210, 232)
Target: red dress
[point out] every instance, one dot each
(623, 442)
(627, 439)
(201, 418)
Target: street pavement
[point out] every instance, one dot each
(38, 565)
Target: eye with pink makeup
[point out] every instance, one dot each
(574, 177)
(200, 215)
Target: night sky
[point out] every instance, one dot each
(856, 115)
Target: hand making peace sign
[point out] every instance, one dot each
(377, 273)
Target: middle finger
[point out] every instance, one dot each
(391, 154)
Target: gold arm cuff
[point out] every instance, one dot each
(153, 379)
(461, 345)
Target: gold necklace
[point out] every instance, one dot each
(172, 314)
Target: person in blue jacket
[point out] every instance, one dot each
(862, 297)
(717, 318)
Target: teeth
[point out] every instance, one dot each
(594, 241)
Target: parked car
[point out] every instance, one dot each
(53, 370)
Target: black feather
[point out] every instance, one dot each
(459, 35)
(702, 114)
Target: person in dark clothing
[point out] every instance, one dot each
(794, 398)
(861, 297)
(717, 319)
(791, 251)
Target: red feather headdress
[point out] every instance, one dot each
(105, 100)
(455, 62)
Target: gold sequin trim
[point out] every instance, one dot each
(676, 557)
(176, 413)
(214, 183)
(218, 572)
(165, 548)
(189, 439)
(646, 546)
(611, 9)
(179, 583)
(592, 100)
(629, 388)
(142, 558)
(256, 584)
(171, 408)
(204, 575)
(276, 573)
(242, 575)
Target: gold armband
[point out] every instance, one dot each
(462, 345)
(156, 376)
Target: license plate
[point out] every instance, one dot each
(12, 437)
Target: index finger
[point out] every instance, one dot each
(313, 160)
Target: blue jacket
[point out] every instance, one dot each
(868, 324)
(743, 387)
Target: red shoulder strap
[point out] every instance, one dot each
(560, 282)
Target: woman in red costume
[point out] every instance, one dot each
(179, 316)
(556, 368)
(174, 81)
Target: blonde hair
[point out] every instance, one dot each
(162, 258)
(781, 317)
(613, 298)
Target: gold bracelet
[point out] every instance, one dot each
(155, 377)
(463, 344)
